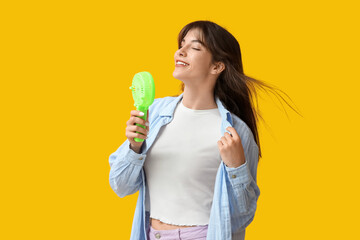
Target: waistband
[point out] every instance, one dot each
(180, 233)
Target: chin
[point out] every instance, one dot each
(177, 75)
(180, 74)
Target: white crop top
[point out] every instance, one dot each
(181, 166)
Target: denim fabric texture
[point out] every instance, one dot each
(235, 193)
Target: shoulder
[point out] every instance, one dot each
(157, 105)
(160, 102)
(243, 130)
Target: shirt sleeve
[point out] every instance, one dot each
(243, 190)
(126, 165)
(125, 170)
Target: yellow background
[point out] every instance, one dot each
(66, 68)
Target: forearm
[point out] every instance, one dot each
(125, 170)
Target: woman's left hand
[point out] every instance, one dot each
(231, 149)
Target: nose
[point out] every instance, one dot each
(181, 52)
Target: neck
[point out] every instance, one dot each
(199, 99)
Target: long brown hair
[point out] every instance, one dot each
(235, 89)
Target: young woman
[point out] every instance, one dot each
(196, 170)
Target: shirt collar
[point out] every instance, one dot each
(170, 108)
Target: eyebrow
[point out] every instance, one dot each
(194, 41)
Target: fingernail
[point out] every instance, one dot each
(141, 114)
(147, 124)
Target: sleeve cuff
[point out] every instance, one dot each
(135, 158)
(239, 175)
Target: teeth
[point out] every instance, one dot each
(178, 62)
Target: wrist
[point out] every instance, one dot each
(135, 149)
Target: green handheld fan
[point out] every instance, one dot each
(143, 92)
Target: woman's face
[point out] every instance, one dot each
(197, 59)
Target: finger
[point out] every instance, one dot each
(133, 135)
(233, 133)
(135, 113)
(228, 136)
(219, 143)
(223, 140)
(134, 120)
(135, 128)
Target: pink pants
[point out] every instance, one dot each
(188, 233)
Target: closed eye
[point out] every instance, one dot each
(193, 48)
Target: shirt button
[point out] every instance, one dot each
(233, 176)
(157, 235)
(140, 158)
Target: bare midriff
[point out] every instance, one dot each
(158, 225)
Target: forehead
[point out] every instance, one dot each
(193, 34)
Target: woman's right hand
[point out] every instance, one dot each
(132, 129)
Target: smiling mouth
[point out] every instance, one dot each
(179, 63)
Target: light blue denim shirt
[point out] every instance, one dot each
(235, 193)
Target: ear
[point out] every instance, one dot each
(217, 68)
